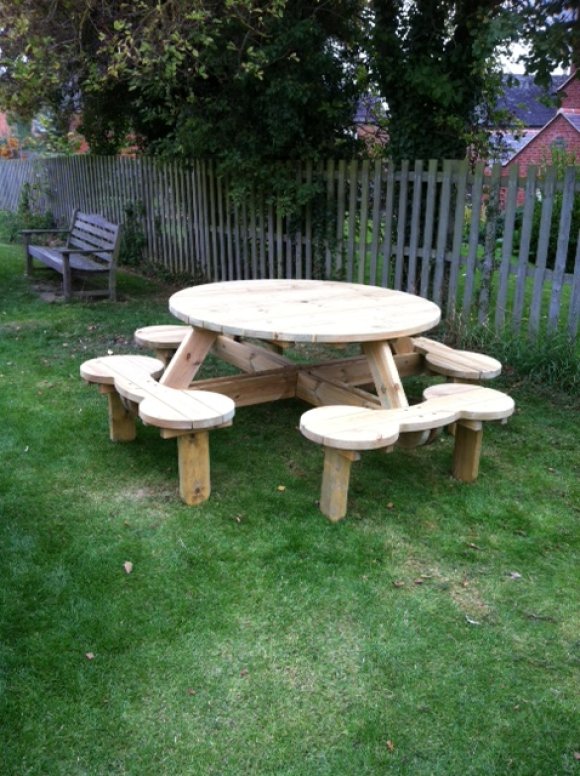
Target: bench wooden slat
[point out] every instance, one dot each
(457, 364)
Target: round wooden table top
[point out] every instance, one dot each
(304, 310)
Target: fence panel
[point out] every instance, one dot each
(474, 241)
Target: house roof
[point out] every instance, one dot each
(369, 110)
(571, 117)
(523, 100)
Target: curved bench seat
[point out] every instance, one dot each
(131, 387)
(346, 430)
(456, 364)
(163, 340)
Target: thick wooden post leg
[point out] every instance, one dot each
(28, 257)
(193, 458)
(121, 421)
(335, 480)
(467, 450)
(66, 278)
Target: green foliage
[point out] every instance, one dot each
(437, 65)
(554, 230)
(433, 632)
(560, 160)
(133, 238)
(248, 82)
(26, 217)
(552, 360)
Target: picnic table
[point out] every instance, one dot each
(359, 402)
(299, 311)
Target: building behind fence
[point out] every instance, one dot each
(503, 249)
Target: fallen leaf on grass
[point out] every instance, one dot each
(514, 575)
(472, 622)
(398, 583)
(128, 566)
(281, 488)
(390, 746)
(390, 505)
(89, 655)
(577, 755)
(190, 691)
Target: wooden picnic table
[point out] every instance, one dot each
(297, 311)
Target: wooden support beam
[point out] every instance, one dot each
(188, 358)
(317, 390)
(385, 374)
(248, 357)
(194, 470)
(121, 420)
(335, 482)
(248, 389)
(467, 450)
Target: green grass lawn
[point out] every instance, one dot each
(433, 631)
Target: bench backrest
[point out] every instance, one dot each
(91, 231)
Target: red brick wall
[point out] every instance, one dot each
(572, 92)
(538, 149)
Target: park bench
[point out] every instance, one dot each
(345, 431)
(130, 384)
(91, 249)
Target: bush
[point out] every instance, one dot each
(11, 224)
(133, 239)
(554, 229)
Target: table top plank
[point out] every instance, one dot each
(304, 310)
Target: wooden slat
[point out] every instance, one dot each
(330, 179)
(562, 247)
(340, 216)
(375, 221)
(443, 221)
(525, 243)
(507, 245)
(542, 249)
(352, 213)
(458, 223)
(473, 242)
(574, 309)
(388, 225)
(488, 261)
(401, 225)
(411, 285)
(363, 221)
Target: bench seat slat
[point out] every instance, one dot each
(52, 257)
(458, 364)
(183, 409)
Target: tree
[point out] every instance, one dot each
(241, 81)
(437, 65)
(251, 82)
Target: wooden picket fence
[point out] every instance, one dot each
(463, 237)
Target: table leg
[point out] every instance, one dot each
(385, 374)
(188, 358)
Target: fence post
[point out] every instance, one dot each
(488, 262)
